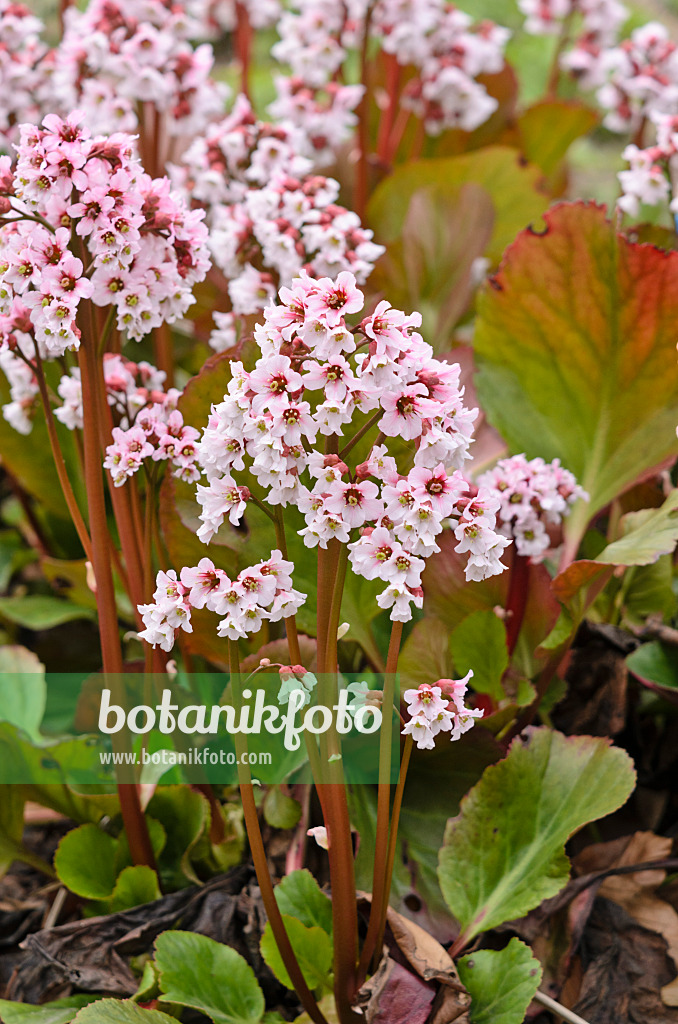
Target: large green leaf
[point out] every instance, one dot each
(577, 332)
(23, 690)
(647, 535)
(120, 1011)
(299, 895)
(503, 854)
(41, 611)
(479, 643)
(313, 950)
(501, 983)
(498, 170)
(198, 972)
(656, 665)
(85, 862)
(59, 1012)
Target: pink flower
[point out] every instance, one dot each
(405, 411)
(331, 300)
(356, 503)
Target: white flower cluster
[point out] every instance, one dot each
(269, 217)
(439, 708)
(260, 593)
(534, 495)
(440, 43)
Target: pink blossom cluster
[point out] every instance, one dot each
(137, 247)
(222, 15)
(269, 218)
(148, 424)
(649, 178)
(130, 387)
(598, 21)
(260, 593)
(318, 380)
(534, 495)
(432, 36)
(324, 116)
(158, 433)
(17, 349)
(449, 53)
(634, 80)
(24, 89)
(439, 708)
(117, 54)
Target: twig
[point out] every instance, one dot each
(54, 912)
(559, 1010)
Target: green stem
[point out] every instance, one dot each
(374, 419)
(259, 855)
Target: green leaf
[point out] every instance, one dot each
(120, 1011)
(198, 972)
(648, 590)
(423, 819)
(135, 885)
(498, 170)
(430, 266)
(313, 949)
(85, 862)
(40, 611)
(647, 535)
(425, 655)
(184, 816)
(299, 895)
(657, 663)
(503, 854)
(451, 599)
(501, 983)
(479, 643)
(62, 1011)
(548, 129)
(280, 810)
(23, 690)
(577, 331)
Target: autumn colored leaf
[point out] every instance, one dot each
(576, 348)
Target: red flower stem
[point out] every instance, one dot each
(331, 787)
(397, 135)
(259, 855)
(516, 601)
(59, 461)
(393, 835)
(378, 908)
(362, 167)
(121, 498)
(243, 45)
(133, 817)
(164, 352)
(393, 74)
